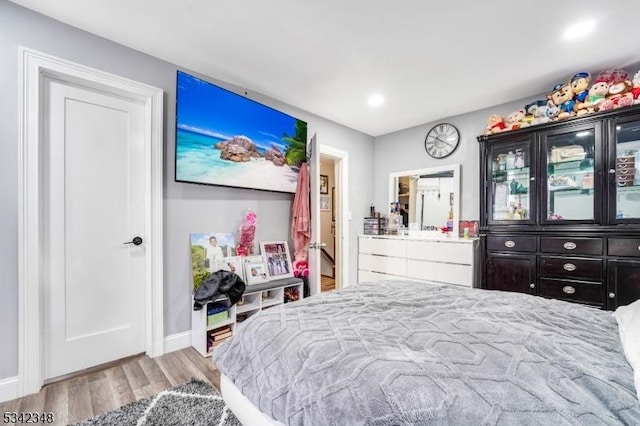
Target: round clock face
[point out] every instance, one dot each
(442, 140)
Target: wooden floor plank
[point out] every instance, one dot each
(79, 399)
(120, 388)
(33, 403)
(100, 392)
(205, 365)
(158, 381)
(172, 370)
(136, 377)
(56, 401)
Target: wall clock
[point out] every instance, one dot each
(442, 140)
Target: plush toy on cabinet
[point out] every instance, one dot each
(619, 94)
(635, 90)
(562, 97)
(597, 92)
(579, 86)
(495, 124)
(537, 110)
(515, 121)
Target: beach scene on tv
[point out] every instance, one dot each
(226, 139)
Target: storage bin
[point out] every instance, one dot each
(217, 318)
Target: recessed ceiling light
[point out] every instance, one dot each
(579, 30)
(376, 100)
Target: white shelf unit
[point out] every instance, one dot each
(447, 260)
(255, 298)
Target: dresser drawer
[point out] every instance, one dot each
(574, 291)
(511, 243)
(624, 247)
(571, 267)
(583, 245)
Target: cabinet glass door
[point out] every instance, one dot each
(570, 188)
(510, 183)
(625, 166)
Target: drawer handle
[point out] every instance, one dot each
(638, 248)
(569, 245)
(512, 244)
(612, 295)
(569, 267)
(568, 289)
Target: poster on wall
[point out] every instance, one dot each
(226, 139)
(211, 252)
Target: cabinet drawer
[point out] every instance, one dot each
(583, 245)
(383, 264)
(624, 247)
(574, 291)
(511, 243)
(383, 246)
(571, 267)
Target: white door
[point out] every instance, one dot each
(93, 191)
(314, 245)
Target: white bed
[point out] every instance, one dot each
(245, 411)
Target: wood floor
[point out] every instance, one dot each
(87, 395)
(327, 283)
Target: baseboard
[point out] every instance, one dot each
(178, 341)
(8, 389)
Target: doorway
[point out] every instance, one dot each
(90, 219)
(328, 250)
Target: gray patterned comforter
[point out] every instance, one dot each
(404, 353)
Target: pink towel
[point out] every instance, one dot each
(301, 224)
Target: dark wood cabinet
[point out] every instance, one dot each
(560, 209)
(511, 272)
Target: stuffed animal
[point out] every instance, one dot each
(597, 93)
(619, 94)
(515, 121)
(562, 97)
(495, 124)
(579, 84)
(300, 268)
(537, 110)
(635, 90)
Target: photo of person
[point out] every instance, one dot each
(234, 264)
(255, 270)
(276, 257)
(208, 251)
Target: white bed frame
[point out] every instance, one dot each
(245, 411)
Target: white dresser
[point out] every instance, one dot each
(440, 259)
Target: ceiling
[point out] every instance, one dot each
(430, 60)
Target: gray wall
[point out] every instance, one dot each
(404, 150)
(187, 208)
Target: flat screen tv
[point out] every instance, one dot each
(226, 139)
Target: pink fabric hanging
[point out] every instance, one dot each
(301, 223)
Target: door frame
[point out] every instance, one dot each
(341, 175)
(34, 66)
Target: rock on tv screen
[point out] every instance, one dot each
(226, 139)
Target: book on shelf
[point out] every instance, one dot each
(219, 337)
(222, 330)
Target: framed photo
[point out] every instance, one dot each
(207, 253)
(234, 264)
(255, 270)
(324, 203)
(276, 257)
(324, 184)
(471, 225)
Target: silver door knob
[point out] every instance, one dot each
(532, 285)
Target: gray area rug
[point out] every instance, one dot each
(194, 403)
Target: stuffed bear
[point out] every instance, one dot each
(579, 84)
(495, 124)
(619, 94)
(562, 97)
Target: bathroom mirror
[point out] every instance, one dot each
(428, 198)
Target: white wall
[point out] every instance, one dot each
(187, 207)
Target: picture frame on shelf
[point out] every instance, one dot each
(277, 259)
(324, 203)
(324, 184)
(255, 270)
(207, 253)
(234, 264)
